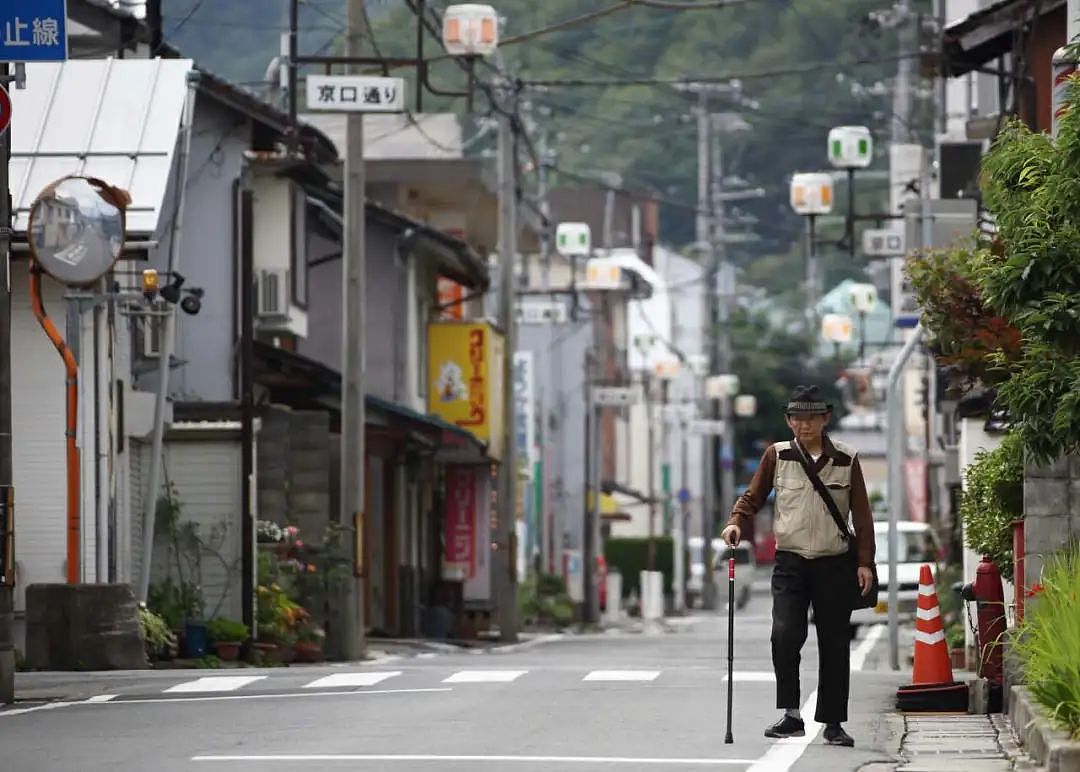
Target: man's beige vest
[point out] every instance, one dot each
(801, 521)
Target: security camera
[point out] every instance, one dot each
(171, 292)
(193, 302)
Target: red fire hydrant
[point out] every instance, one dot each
(989, 596)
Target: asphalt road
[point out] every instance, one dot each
(617, 700)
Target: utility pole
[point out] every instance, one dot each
(650, 417)
(721, 291)
(507, 498)
(7, 482)
(705, 237)
(902, 89)
(352, 348)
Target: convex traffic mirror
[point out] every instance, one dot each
(76, 229)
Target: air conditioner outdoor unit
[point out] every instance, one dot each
(272, 294)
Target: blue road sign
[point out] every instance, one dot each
(906, 322)
(684, 496)
(33, 31)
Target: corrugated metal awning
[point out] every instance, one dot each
(117, 119)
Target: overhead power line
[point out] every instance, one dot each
(692, 79)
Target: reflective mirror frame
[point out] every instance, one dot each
(94, 224)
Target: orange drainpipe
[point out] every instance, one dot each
(71, 369)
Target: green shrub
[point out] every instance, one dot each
(156, 635)
(630, 556)
(224, 629)
(993, 498)
(1048, 646)
(550, 584)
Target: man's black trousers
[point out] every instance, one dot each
(824, 582)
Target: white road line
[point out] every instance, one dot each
(873, 635)
(759, 676)
(35, 709)
(627, 760)
(484, 676)
(102, 698)
(350, 679)
(784, 753)
(215, 684)
(265, 696)
(622, 675)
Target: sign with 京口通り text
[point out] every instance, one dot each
(465, 380)
(355, 93)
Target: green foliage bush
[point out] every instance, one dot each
(1048, 643)
(630, 556)
(544, 601)
(993, 498)
(225, 629)
(156, 634)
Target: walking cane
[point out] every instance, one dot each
(728, 739)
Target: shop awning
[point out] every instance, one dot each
(304, 384)
(116, 119)
(989, 33)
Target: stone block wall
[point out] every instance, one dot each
(1051, 511)
(294, 468)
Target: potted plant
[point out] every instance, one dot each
(955, 639)
(228, 636)
(309, 644)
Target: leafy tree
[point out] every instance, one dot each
(1033, 278)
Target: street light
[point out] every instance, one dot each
(864, 298)
(811, 195)
(470, 29)
(836, 328)
(850, 148)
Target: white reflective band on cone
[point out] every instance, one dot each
(930, 638)
(928, 613)
(927, 589)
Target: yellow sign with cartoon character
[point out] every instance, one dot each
(465, 379)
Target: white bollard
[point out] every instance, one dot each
(652, 595)
(614, 598)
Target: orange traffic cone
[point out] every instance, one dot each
(932, 687)
(932, 664)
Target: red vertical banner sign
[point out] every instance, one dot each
(459, 539)
(915, 479)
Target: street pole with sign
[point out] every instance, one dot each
(34, 30)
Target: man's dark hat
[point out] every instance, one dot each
(807, 400)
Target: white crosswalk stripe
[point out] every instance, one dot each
(350, 679)
(484, 676)
(215, 684)
(622, 675)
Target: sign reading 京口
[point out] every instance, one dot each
(355, 94)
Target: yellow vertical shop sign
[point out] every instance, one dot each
(465, 379)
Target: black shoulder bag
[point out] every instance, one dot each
(858, 600)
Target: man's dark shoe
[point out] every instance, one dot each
(835, 735)
(787, 727)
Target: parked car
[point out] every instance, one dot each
(745, 562)
(917, 545)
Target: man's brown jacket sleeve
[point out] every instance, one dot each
(757, 493)
(861, 516)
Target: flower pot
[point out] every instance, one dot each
(273, 652)
(196, 640)
(958, 658)
(227, 651)
(307, 651)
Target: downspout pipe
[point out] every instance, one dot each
(895, 432)
(165, 353)
(71, 383)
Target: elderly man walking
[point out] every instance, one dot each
(817, 563)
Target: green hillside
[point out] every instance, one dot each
(802, 66)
